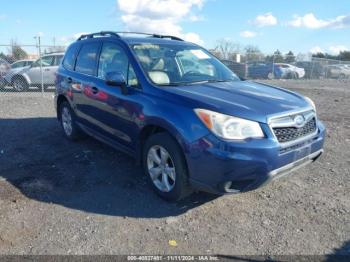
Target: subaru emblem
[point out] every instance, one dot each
(299, 121)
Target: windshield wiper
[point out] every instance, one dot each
(195, 82)
(211, 81)
(175, 84)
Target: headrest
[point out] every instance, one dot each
(159, 77)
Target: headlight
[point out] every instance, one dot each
(229, 127)
(310, 102)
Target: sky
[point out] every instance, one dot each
(300, 25)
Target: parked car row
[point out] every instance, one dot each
(26, 73)
(297, 70)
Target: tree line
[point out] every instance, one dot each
(343, 56)
(227, 50)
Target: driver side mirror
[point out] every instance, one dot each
(117, 79)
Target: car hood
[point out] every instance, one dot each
(245, 99)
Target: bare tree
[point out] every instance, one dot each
(16, 51)
(253, 54)
(226, 48)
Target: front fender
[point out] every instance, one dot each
(182, 123)
(22, 74)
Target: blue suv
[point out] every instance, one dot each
(190, 121)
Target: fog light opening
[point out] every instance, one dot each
(237, 186)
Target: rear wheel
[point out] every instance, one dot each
(67, 118)
(164, 165)
(20, 84)
(342, 76)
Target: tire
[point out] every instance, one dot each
(175, 165)
(2, 84)
(270, 76)
(289, 76)
(20, 84)
(342, 76)
(68, 123)
(295, 75)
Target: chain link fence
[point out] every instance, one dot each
(278, 66)
(29, 67)
(33, 67)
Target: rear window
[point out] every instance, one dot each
(87, 59)
(69, 57)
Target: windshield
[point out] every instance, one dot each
(168, 65)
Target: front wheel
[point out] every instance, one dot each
(164, 165)
(20, 84)
(2, 83)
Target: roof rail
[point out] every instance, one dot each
(117, 34)
(153, 35)
(102, 33)
(168, 36)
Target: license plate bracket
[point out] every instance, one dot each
(302, 152)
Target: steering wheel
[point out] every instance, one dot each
(192, 73)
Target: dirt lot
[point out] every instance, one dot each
(58, 197)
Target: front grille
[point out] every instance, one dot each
(287, 134)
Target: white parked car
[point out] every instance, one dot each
(291, 71)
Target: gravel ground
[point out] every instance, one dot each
(58, 197)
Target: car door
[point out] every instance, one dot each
(50, 71)
(83, 83)
(34, 72)
(115, 113)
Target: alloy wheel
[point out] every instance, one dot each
(18, 85)
(67, 121)
(161, 168)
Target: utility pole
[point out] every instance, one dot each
(41, 64)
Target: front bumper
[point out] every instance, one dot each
(224, 167)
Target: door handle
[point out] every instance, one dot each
(94, 90)
(46, 69)
(69, 80)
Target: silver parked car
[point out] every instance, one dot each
(31, 76)
(22, 63)
(16, 67)
(4, 67)
(338, 71)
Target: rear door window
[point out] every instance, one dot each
(87, 59)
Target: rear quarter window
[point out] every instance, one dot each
(69, 58)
